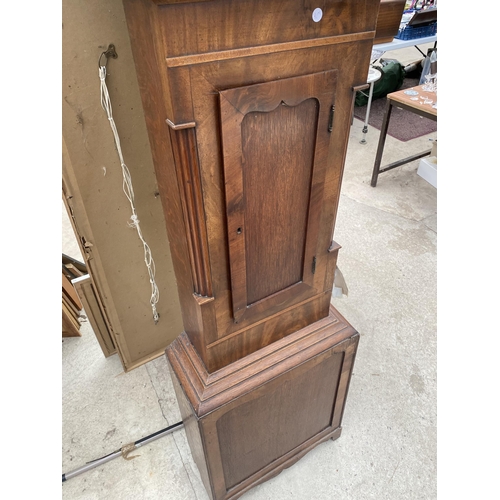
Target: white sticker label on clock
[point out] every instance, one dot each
(317, 15)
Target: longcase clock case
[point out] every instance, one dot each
(248, 105)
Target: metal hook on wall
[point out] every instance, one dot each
(110, 52)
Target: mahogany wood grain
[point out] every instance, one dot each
(274, 137)
(209, 390)
(277, 180)
(388, 20)
(255, 415)
(193, 433)
(294, 411)
(262, 333)
(208, 78)
(189, 95)
(215, 26)
(188, 176)
(159, 92)
(249, 157)
(174, 62)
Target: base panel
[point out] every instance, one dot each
(255, 417)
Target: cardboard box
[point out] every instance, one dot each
(427, 169)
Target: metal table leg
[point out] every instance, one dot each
(381, 143)
(368, 106)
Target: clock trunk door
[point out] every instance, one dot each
(275, 140)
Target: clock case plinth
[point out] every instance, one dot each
(250, 420)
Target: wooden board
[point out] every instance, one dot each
(95, 314)
(70, 323)
(70, 292)
(92, 183)
(389, 19)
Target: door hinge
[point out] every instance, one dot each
(313, 268)
(330, 121)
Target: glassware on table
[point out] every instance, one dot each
(430, 84)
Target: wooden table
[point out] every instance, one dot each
(403, 101)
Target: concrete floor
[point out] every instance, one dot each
(387, 449)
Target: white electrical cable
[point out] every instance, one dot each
(129, 193)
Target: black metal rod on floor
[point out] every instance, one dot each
(137, 444)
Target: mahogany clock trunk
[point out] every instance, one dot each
(248, 105)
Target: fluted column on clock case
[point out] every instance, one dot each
(248, 106)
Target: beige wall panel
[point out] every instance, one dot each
(93, 182)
